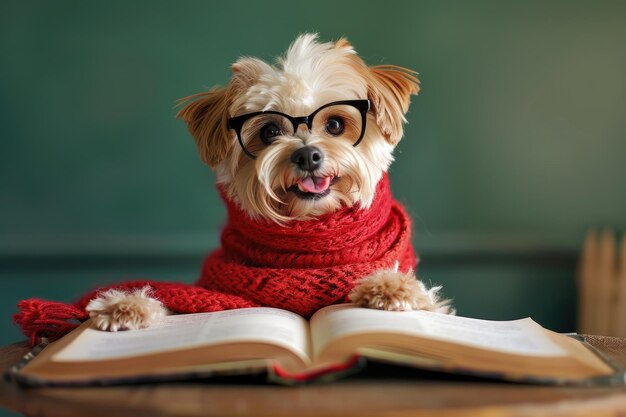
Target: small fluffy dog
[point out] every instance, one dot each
(291, 142)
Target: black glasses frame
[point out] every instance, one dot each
(237, 122)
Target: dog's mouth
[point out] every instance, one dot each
(313, 187)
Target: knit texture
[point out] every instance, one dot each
(300, 267)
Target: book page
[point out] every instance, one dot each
(184, 331)
(523, 337)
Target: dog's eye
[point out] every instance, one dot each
(269, 132)
(335, 126)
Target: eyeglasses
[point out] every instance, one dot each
(339, 119)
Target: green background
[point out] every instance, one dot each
(514, 148)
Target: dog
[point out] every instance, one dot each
(291, 142)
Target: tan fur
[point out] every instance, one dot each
(308, 76)
(343, 43)
(390, 88)
(119, 310)
(205, 115)
(388, 289)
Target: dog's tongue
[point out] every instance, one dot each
(314, 184)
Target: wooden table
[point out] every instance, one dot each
(382, 395)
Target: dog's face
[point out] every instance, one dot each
(277, 164)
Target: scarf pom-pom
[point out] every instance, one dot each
(40, 318)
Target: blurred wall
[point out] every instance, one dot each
(515, 146)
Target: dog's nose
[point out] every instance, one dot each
(308, 158)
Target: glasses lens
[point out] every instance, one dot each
(259, 131)
(339, 121)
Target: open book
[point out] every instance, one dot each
(290, 348)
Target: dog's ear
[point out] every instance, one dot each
(389, 90)
(206, 114)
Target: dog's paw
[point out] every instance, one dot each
(388, 289)
(116, 310)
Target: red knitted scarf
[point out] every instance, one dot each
(300, 267)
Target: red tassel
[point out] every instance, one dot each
(40, 318)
